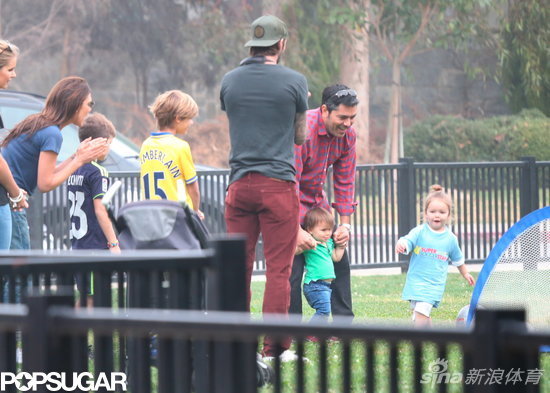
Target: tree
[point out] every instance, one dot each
(331, 46)
(354, 69)
(402, 28)
(525, 55)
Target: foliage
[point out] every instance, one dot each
(403, 28)
(500, 138)
(316, 49)
(525, 55)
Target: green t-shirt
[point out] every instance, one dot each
(319, 264)
(261, 102)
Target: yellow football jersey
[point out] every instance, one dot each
(166, 167)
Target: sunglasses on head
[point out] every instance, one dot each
(345, 92)
(7, 48)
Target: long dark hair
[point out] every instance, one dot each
(62, 103)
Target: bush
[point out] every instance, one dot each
(500, 138)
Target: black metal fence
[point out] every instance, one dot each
(499, 355)
(211, 279)
(489, 197)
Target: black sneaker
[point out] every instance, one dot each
(264, 372)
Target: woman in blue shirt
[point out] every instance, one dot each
(32, 147)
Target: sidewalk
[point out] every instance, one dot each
(385, 271)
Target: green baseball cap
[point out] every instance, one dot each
(267, 30)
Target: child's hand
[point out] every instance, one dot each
(115, 250)
(401, 246)
(468, 277)
(200, 214)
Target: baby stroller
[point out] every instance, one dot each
(163, 224)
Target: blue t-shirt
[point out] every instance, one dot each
(23, 152)
(431, 253)
(89, 182)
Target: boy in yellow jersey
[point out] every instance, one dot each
(167, 168)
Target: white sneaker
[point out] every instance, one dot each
(286, 356)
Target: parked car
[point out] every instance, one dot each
(15, 106)
(51, 213)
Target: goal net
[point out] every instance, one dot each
(516, 274)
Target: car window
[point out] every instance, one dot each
(123, 154)
(12, 115)
(70, 142)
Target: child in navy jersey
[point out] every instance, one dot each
(91, 227)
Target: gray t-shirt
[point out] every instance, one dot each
(261, 101)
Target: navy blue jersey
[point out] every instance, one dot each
(89, 182)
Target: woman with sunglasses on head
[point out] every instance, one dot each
(32, 147)
(10, 194)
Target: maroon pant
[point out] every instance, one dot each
(258, 204)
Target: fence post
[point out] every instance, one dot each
(489, 353)
(43, 351)
(406, 201)
(234, 368)
(529, 189)
(35, 216)
(229, 275)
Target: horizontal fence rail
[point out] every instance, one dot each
(206, 280)
(489, 198)
(347, 358)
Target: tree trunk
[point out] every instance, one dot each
(395, 111)
(354, 72)
(393, 136)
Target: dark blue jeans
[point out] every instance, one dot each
(5, 227)
(341, 304)
(317, 294)
(20, 238)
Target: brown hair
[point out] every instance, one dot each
(63, 102)
(317, 216)
(272, 50)
(437, 192)
(96, 126)
(7, 51)
(172, 104)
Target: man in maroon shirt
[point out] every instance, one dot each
(330, 141)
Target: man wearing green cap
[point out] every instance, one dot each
(265, 104)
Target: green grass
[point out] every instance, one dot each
(378, 299)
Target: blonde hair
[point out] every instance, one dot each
(437, 192)
(173, 104)
(317, 216)
(7, 51)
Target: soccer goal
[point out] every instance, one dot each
(517, 271)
